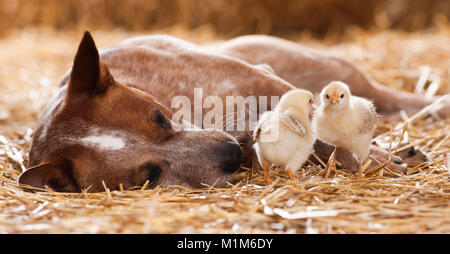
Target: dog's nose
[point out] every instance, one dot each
(231, 159)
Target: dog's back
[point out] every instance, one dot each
(311, 69)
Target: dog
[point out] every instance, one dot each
(111, 122)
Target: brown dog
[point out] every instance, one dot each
(111, 119)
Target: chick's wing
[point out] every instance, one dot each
(370, 117)
(293, 124)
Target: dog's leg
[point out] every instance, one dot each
(351, 164)
(390, 101)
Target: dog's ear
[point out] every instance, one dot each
(89, 74)
(57, 176)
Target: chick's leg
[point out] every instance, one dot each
(331, 163)
(291, 175)
(266, 173)
(297, 160)
(360, 169)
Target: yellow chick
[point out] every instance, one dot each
(345, 121)
(284, 136)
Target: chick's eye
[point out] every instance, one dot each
(328, 97)
(161, 120)
(342, 95)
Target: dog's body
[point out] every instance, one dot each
(110, 120)
(310, 69)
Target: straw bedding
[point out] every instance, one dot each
(33, 61)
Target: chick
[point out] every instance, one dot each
(284, 136)
(345, 121)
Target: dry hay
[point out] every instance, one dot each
(33, 61)
(233, 17)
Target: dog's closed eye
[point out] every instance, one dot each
(161, 120)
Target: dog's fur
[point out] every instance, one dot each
(312, 70)
(110, 120)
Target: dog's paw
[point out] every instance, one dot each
(348, 160)
(412, 156)
(380, 156)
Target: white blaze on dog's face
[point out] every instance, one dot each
(108, 140)
(335, 95)
(98, 130)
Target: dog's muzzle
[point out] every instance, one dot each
(231, 159)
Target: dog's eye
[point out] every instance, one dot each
(328, 97)
(153, 174)
(342, 95)
(311, 101)
(161, 120)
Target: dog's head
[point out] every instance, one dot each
(96, 129)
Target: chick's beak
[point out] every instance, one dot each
(334, 98)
